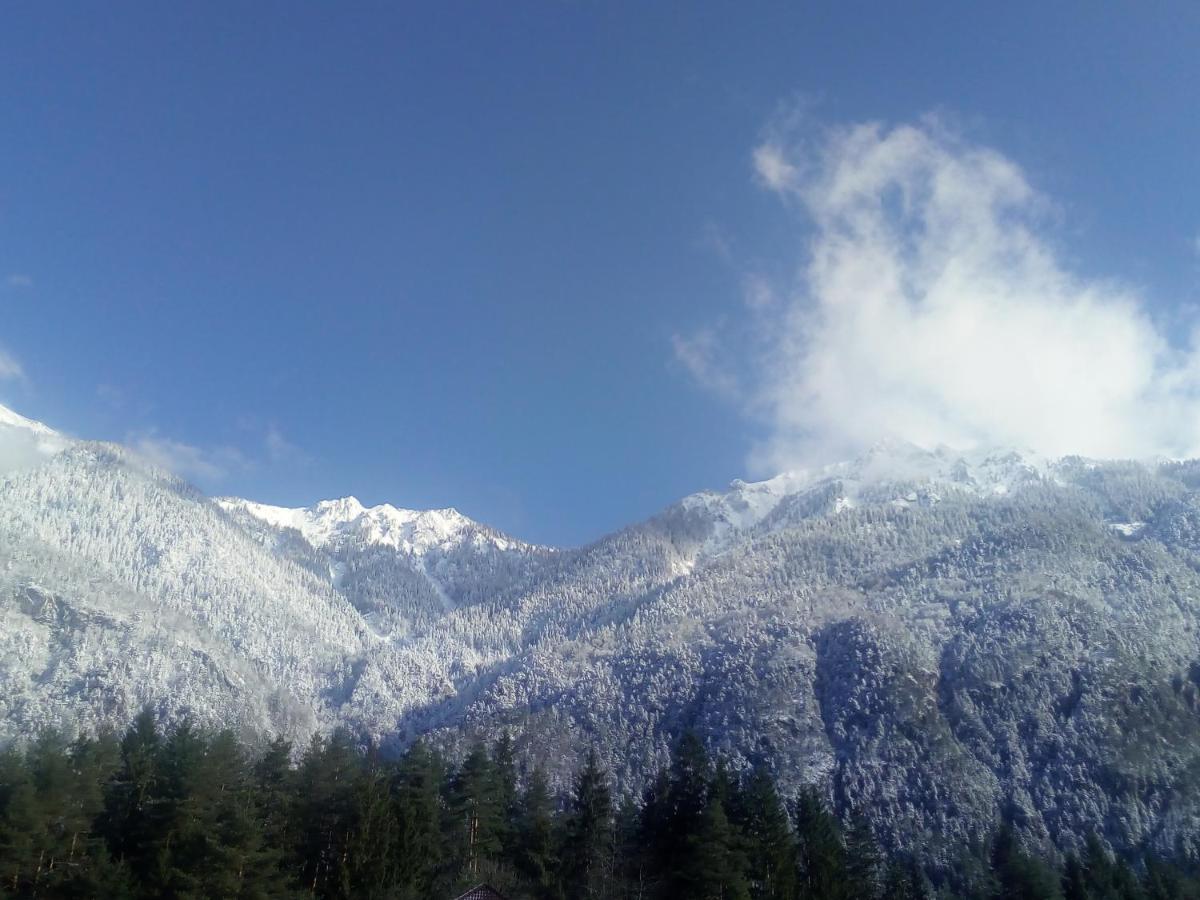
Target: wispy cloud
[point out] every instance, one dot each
(773, 168)
(189, 461)
(279, 449)
(259, 444)
(699, 354)
(111, 396)
(933, 306)
(10, 368)
(18, 281)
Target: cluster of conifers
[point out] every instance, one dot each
(186, 813)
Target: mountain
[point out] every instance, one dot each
(402, 569)
(933, 637)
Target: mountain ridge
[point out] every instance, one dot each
(929, 635)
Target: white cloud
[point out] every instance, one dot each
(18, 281)
(773, 168)
(757, 292)
(209, 464)
(698, 354)
(933, 307)
(280, 449)
(10, 368)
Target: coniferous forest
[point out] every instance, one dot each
(191, 814)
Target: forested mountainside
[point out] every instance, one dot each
(187, 812)
(938, 640)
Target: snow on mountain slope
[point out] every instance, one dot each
(102, 538)
(921, 473)
(335, 523)
(930, 636)
(402, 569)
(24, 442)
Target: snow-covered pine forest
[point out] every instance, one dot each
(934, 638)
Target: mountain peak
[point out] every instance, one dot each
(25, 442)
(12, 419)
(345, 520)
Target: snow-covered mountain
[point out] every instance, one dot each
(929, 635)
(338, 523)
(24, 442)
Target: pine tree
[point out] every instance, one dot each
(422, 851)
(863, 861)
(588, 854)
(324, 808)
(505, 766)
(633, 874)
(903, 880)
(770, 845)
(273, 782)
(133, 820)
(475, 820)
(717, 864)
(821, 857)
(655, 847)
(1074, 881)
(536, 857)
(1020, 876)
(691, 775)
(372, 860)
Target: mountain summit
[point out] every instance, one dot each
(929, 636)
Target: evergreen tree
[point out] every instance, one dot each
(863, 861)
(717, 865)
(821, 857)
(633, 872)
(273, 782)
(324, 808)
(904, 880)
(421, 852)
(1074, 880)
(655, 845)
(187, 814)
(134, 817)
(505, 766)
(537, 858)
(769, 844)
(372, 861)
(475, 819)
(588, 854)
(1019, 875)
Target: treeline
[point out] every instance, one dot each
(190, 814)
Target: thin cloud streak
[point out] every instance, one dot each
(10, 368)
(188, 461)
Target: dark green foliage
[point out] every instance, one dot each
(475, 816)
(186, 813)
(822, 857)
(1021, 876)
(767, 837)
(719, 866)
(536, 854)
(863, 861)
(416, 797)
(588, 856)
(905, 881)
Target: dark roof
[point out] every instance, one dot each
(482, 892)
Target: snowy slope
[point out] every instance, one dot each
(898, 472)
(928, 635)
(335, 523)
(25, 443)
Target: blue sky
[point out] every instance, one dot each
(500, 256)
